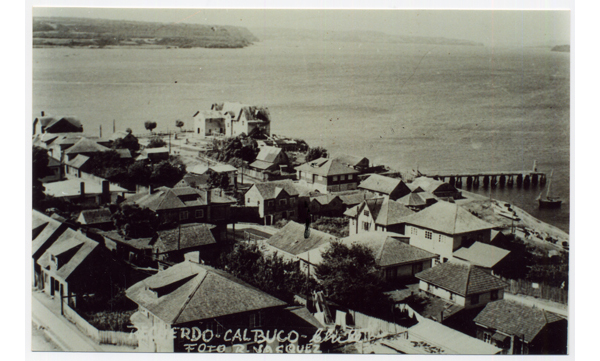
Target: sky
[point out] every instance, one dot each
(499, 27)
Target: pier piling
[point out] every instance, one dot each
(452, 181)
(502, 181)
(510, 182)
(534, 180)
(486, 181)
(476, 182)
(519, 180)
(469, 182)
(526, 182)
(458, 182)
(494, 182)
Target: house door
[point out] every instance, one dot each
(269, 220)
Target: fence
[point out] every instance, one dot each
(544, 291)
(375, 324)
(101, 337)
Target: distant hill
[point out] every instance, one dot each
(352, 36)
(562, 48)
(57, 31)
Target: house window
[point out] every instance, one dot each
(343, 177)
(452, 297)
(271, 203)
(474, 299)
(199, 213)
(487, 337)
(335, 178)
(292, 201)
(283, 202)
(198, 130)
(366, 213)
(255, 320)
(290, 214)
(439, 237)
(248, 200)
(428, 235)
(366, 226)
(494, 295)
(183, 215)
(350, 176)
(413, 230)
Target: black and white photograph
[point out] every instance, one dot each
(300, 181)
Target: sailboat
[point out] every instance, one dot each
(549, 201)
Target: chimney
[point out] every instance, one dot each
(208, 196)
(82, 189)
(105, 191)
(100, 131)
(43, 113)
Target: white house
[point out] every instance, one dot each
(444, 228)
(231, 120)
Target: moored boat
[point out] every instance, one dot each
(549, 200)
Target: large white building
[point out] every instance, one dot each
(231, 120)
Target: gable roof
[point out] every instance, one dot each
(95, 216)
(199, 169)
(69, 241)
(515, 318)
(461, 279)
(172, 198)
(383, 210)
(194, 181)
(382, 184)
(447, 218)
(386, 211)
(185, 236)
(78, 161)
(354, 198)
(270, 190)
(290, 239)
(481, 254)
(412, 200)
(49, 122)
(123, 153)
(268, 154)
(324, 199)
(85, 145)
(389, 248)
(45, 231)
(223, 168)
(352, 160)
(430, 185)
(189, 292)
(326, 167)
(259, 164)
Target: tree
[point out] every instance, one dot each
(149, 125)
(349, 276)
(39, 170)
(139, 172)
(128, 142)
(271, 273)
(218, 180)
(101, 164)
(179, 124)
(316, 153)
(134, 221)
(167, 173)
(156, 142)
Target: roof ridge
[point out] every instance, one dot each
(189, 298)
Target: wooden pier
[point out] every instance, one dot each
(520, 178)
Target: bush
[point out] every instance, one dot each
(156, 142)
(336, 226)
(316, 153)
(110, 321)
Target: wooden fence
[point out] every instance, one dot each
(542, 290)
(101, 337)
(375, 324)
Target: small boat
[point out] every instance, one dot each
(549, 201)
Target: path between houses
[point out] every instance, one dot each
(543, 304)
